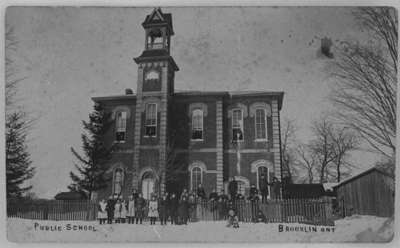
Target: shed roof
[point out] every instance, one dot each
(373, 169)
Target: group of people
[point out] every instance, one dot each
(180, 209)
(120, 211)
(265, 189)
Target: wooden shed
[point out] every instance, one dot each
(304, 191)
(368, 193)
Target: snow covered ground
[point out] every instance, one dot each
(351, 229)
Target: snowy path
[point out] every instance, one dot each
(356, 228)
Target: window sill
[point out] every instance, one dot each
(147, 136)
(196, 140)
(119, 141)
(261, 140)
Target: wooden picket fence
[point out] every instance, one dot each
(52, 209)
(309, 211)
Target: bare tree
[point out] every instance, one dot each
(344, 141)
(307, 161)
(383, 22)
(366, 75)
(321, 146)
(331, 146)
(288, 140)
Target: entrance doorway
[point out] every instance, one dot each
(148, 185)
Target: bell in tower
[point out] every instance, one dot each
(159, 30)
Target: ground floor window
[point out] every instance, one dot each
(196, 178)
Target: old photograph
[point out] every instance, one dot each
(200, 124)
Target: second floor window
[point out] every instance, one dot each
(120, 127)
(151, 120)
(261, 130)
(197, 124)
(237, 124)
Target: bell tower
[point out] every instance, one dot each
(155, 86)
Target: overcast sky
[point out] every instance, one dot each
(70, 54)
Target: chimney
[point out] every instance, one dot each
(128, 91)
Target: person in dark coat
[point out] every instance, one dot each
(222, 205)
(253, 191)
(254, 199)
(201, 193)
(192, 206)
(233, 188)
(263, 186)
(183, 210)
(140, 205)
(110, 209)
(275, 188)
(213, 195)
(173, 208)
(261, 217)
(135, 194)
(163, 209)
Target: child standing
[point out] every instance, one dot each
(123, 211)
(131, 210)
(153, 210)
(117, 211)
(102, 213)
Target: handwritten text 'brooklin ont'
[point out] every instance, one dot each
(285, 228)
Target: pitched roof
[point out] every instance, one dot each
(166, 18)
(377, 169)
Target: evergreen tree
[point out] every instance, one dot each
(18, 163)
(92, 167)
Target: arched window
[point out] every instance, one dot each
(261, 124)
(120, 134)
(197, 124)
(118, 181)
(196, 177)
(151, 120)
